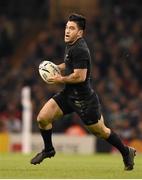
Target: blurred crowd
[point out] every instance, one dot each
(114, 39)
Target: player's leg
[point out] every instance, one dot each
(46, 116)
(50, 112)
(55, 108)
(100, 130)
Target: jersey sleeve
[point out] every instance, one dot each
(80, 58)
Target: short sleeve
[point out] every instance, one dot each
(80, 58)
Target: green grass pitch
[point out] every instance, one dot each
(66, 166)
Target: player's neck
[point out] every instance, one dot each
(71, 43)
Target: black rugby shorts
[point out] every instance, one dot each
(88, 108)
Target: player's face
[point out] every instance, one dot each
(72, 32)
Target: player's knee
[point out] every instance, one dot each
(102, 133)
(105, 133)
(42, 121)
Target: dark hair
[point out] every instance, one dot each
(79, 19)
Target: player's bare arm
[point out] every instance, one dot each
(78, 76)
(61, 67)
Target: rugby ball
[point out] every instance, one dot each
(48, 69)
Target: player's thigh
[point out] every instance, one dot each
(50, 111)
(99, 129)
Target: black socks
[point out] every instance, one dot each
(46, 135)
(113, 139)
(116, 142)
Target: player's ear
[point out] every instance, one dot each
(80, 32)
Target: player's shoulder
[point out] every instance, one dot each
(81, 43)
(80, 46)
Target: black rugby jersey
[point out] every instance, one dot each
(77, 56)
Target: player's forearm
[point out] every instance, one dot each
(79, 75)
(73, 78)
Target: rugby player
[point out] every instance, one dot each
(77, 96)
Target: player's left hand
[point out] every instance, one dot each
(56, 79)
